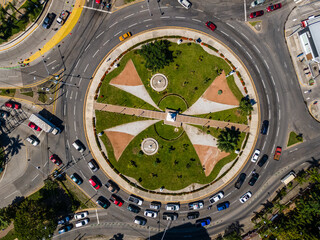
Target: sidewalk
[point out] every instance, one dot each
(89, 114)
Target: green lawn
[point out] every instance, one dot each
(167, 132)
(294, 138)
(29, 94)
(254, 23)
(234, 88)
(42, 97)
(7, 92)
(173, 102)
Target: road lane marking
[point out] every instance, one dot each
(285, 65)
(67, 139)
(258, 69)
(71, 78)
(277, 132)
(51, 63)
(80, 81)
(266, 165)
(266, 64)
(245, 36)
(180, 17)
(230, 25)
(32, 72)
(132, 25)
(263, 146)
(74, 110)
(77, 63)
(268, 99)
(278, 97)
(71, 94)
(97, 216)
(293, 150)
(197, 20)
(273, 81)
(248, 54)
(256, 48)
(45, 164)
(75, 128)
(128, 16)
(143, 10)
(75, 162)
(113, 25)
(85, 69)
(64, 109)
(165, 17)
(237, 43)
(105, 42)
(264, 86)
(224, 33)
(269, 114)
(11, 194)
(67, 94)
(95, 53)
(87, 47)
(75, 98)
(117, 33)
(100, 34)
(227, 194)
(147, 20)
(35, 177)
(199, 10)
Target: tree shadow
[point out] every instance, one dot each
(313, 163)
(234, 229)
(118, 236)
(15, 146)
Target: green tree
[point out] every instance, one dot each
(314, 175)
(245, 106)
(157, 54)
(228, 140)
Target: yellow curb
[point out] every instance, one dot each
(208, 35)
(22, 100)
(309, 108)
(62, 33)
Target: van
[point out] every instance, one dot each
(288, 178)
(185, 3)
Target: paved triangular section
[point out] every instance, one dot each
(202, 106)
(128, 77)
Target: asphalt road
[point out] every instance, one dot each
(265, 55)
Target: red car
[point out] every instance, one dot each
(55, 159)
(12, 105)
(34, 126)
(116, 200)
(210, 25)
(274, 7)
(256, 14)
(98, 1)
(94, 183)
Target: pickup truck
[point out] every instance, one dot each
(277, 154)
(63, 17)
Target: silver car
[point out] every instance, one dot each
(81, 215)
(245, 197)
(173, 207)
(215, 198)
(150, 213)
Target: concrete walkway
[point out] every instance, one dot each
(90, 105)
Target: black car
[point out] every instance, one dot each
(92, 164)
(170, 216)
(264, 127)
(253, 179)
(48, 20)
(240, 180)
(133, 208)
(103, 202)
(263, 160)
(193, 215)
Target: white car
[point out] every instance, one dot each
(173, 207)
(140, 220)
(215, 198)
(150, 213)
(255, 155)
(82, 222)
(179, 41)
(81, 215)
(33, 140)
(257, 2)
(185, 3)
(245, 197)
(196, 205)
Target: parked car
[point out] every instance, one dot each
(172, 206)
(116, 200)
(135, 200)
(223, 206)
(76, 178)
(125, 36)
(150, 213)
(170, 216)
(140, 220)
(240, 180)
(98, 1)
(103, 202)
(274, 7)
(64, 220)
(33, 140)
(82, 222)
(133, 208)
(11, 104)
(256, 14)
(155, 205)
(95, 183)
(55, 159)
(262, 160)
(264, 127)
(257, 2)
(34, 126)
(112, 186)
(245, 197)
(77, 144)
(210, 25)
(48, 20)
(185, 3)
(195, 205)
(66, 228)
(253, 179)
(255, 155)
(215, 198)
(193, 215)
(81, 215)
(4, 114)
(92, 164)
(203, 222)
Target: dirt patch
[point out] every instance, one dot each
(128, 77)
(209, 156)
(119, 141)
(226, 97)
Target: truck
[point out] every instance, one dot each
(63, 17)
(288, 178)
(277, 154)
(45, 124)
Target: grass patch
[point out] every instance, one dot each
(166, 131)
(254, 23)
(10, 236)
(173, 102)
(234, 88)
(29, 94)
(128, 1)
(43, 97)
(231, 115)
(294, 138)
(7, 92)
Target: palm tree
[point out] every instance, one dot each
(228, 140)
(314, 175)
(245, 106)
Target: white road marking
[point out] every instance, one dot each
(165, 17)
(273, 81)
(245, 36)
(87, 47)
(197, 20)
(80, 81)
(82, 174)
(99, 35)
(95, 53)
(230, 25)
(74, 110)
(64, 110)
(75, 162)
(67, 139)
(264, 86)
(113, 24)
(257, 69)
(10, 194)
(266, 165)
(277, 132)
(263, 146)
(143, 10)
(148, 25)
(45, 164)
(132, 25)
(293, 150)
(128, 16)
(97, 216)
(75, 98)
(75, 128)
(199, 10)
(224, 33)
(71, 94)
(35, 177)
(237, 43)
(285, 65)
(266, 64)
(278, 97)
(67, 94)
(248, 54)
(77, 63)
(268, 100)
(180, 17)
(147, 20)
(51, 63)
(256, 48)
(227, 195)
(71, 78)
(269, 114)
(117, 33)
(31, 72)
(105, 42)
(279, 116)
(85, 69)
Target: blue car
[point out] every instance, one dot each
(64, 220)
(76, 178)
(223, 206)
(203, 222)
(66, 228)
(48, 20)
